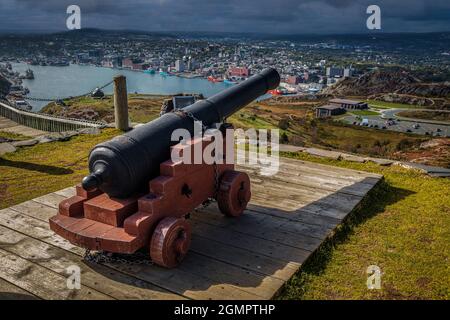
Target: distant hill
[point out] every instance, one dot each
(387, 82)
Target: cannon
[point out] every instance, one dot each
(136, 196)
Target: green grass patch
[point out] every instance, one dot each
(33, 171)
(364, 113)
(390, 105)
(426, 115)
(402, 226)
(13, 136)
(141, 108)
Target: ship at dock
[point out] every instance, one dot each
(29, 75)
(214, 79)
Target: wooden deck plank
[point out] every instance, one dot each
(114, 284)
(243, 258)
(8, 291)
(260, 246)
(312, 180)
(299, 241)
(41, 281)
(266, 226)
(290, 215)
(175, 280)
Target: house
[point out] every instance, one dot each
(328, 111)
(239, 72)
(348, 104)
(294, 80)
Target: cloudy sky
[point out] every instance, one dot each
(259, 16)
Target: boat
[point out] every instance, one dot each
(163, 73)
(213, 79)
(28, 75)
(150, 71)
(97, 93)
(22, 104)
(227, 81)
(275, 92)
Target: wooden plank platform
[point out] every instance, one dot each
(252, 257)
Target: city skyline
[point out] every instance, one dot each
(266, 17)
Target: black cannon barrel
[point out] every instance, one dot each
(124, 164)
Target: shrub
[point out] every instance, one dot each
(404, 144)
(283, 124)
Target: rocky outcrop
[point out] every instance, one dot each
(388, 82)
(403, 98)
(4, 86)
(439, 90)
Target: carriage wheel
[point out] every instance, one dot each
(170, 242)
(234, 193)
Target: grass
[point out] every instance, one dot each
(13, 136)
(141, 108)
(364, 113)
(402, 226)
(428, 115)
(33, 171)
(390, 105)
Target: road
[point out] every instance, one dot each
(392, 113)
(401, 125)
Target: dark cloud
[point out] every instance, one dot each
(267, 16)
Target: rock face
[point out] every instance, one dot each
(4, 86)
(441, 90)
(405, 99)
(383, 82)
(6, 147)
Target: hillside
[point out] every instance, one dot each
(4, 86)
(394, 86)
(295, 120)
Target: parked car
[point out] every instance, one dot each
(408, 130)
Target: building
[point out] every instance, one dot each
(348, 104)
(328, 111)
(107, 63)
(239, 72)
(179, 65)
(334, 72)
(127, 63)
(180, 102)
(293, 80)
(117, 62)
(191, 64)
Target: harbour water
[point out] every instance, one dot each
(60, 82)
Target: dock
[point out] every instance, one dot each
(290, 215)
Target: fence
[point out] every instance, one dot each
(45, 122)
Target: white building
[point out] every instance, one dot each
(179, 65)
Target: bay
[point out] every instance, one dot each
(61, 82)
